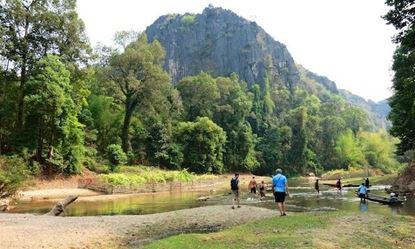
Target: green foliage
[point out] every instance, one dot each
(188, 19)
(199, 95)
(12, 174)
(402, 16)
(138, 80)
(52, 127)
(349, 152)
(116, 156)
(32, 29)
(203, 143)
(140, 175)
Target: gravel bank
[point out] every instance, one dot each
(29, 231)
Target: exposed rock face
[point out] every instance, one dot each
(378, 111)
(323, 80)
(220, 42)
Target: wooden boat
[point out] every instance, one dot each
(330, 185)
(349, 185)
(353, 185)
(385, 200)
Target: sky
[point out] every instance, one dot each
(345, 40)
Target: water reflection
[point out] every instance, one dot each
(303, 198)
(363, 207)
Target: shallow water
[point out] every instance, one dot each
(302, 199)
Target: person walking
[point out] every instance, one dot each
(317, 187)
(362, 191)
(235, 190)
(339, 186)
(252, 186)
(367, 184)
(280, 187)
(262, 189)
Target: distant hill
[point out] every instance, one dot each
(379, 111)
(220, 42)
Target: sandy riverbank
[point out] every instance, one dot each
(29, 231)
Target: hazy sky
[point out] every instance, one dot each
(345, 40)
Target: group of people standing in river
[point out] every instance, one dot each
(279, 186)
(280, 189)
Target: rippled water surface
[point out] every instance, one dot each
(302, 199)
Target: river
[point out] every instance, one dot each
(302, 199)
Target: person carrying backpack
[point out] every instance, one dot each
(235, 190)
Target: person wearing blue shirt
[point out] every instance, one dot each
(362, 191)
(280, 187)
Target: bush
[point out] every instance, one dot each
(12, 174)
(188, 19)
(139, 175)
(115, 156)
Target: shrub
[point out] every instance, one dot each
(12, 174)
(188, 19)
(115, 156)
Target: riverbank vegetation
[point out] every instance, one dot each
(310, 230)
(140, 175)
(401, 16)
(65, 107)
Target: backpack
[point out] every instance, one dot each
(234, 184)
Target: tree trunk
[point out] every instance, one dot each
(60, 206)
(126, 126)
(20, 104)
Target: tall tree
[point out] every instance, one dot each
(203, 143)
(139, 79)
(52, 126)
(200, 95)
(30, 29)
(402, 17)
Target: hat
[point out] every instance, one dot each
(278, 171)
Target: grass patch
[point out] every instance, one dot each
(140, 175)
(307, 230)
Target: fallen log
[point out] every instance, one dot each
(60, 206)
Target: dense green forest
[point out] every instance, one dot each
(402, 17)
(65, 107)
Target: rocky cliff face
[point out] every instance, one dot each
(378, 111)
(220, 42)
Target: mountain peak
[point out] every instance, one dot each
(220, 42)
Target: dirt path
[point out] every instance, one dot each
(29, 231)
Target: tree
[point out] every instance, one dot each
(30, 29)
(199, 95)
(52, 126)
(116, 156)
(356, 119)
(203, 143)
(402, 115)
(139, 80)
(349, 151)
(232, 108)
(401, 16)
(297, 155)
(272, 150)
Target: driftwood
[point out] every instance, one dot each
(4, 205)
(60, 206)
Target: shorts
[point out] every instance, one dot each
(262, 193)
(253, 190)
(279, 196)
(362, 196)
(235, 193)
